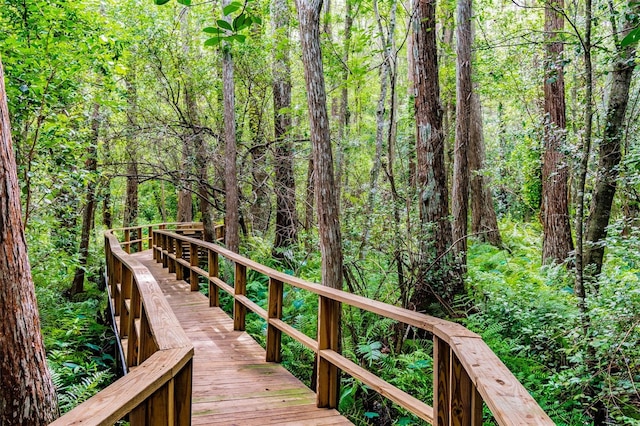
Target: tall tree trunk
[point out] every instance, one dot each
(557, 242)
(464, 88)
(27, 395)
(285, 232)
(610, 152)
(484, 222)
(326, 200)
(91, 166)
(232, 212)
(185, 199)
(345, 113)
(443, 282)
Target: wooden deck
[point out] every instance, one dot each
(232, 383)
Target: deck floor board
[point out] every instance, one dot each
(232, 382)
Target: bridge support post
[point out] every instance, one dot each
(328, 375)
(274, 310)
(214, 294)
(194, 260)
(240, 289)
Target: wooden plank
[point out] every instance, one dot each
(441, 382)
(461, 391)
(385, 389)
(508, 400)
(122, 396)
(222, 285)
(328, 377)
(252, 306)
(214, 294)
(299, 336)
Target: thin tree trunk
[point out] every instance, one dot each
(91, 166)
(27, 394)
(464, 89)
(232, 212)
(610, 154)
(438, 279)
(261, 207)
(484, 222)
(345, 113)
(557, 242)
(131, 203)
(326, 200)
(185, 199)
(285, 232)
(585, 151)
(385, 73)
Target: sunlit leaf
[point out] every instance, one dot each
(631, 38)
(185, 2)
(211, 30)
(231, 7)
(160, 2)
(224, 24)
(213, 41)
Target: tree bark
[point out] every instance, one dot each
(131, 203)
(610, 155)
(232, 197)
(326, 200)
(464, 88)
(185, 199)
(27, 395)
(285, 231)
(443, 282)
(91, 166)
(557, 242)
(484, 222)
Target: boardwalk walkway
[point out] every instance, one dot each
(232, 383)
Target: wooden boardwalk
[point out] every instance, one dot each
(232, 382)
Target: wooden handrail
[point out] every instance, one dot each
(466, 372)
(158, 354)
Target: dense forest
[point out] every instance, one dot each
(476, 161)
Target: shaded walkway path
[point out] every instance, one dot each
(232, 383)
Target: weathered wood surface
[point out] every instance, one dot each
(232, 382)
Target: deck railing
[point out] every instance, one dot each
(156, 351)
(466, 372)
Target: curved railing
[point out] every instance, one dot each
(466, 372)
(157, 353)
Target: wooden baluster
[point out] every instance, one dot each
(127, 238)
(160, 406)
(139, 238)
(441, 382)
(117, 284)
(134, 338)
(171, 250)
(150, 237)
(125, 295)
(193, 261)
(164, 247)
(461, 394)
(274, 310)
(147, 345)
(182, 395)
(328, 390)
(476, 407)
(179, 269)
(214, 293)
(240, 289)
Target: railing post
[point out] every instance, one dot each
(127, 238)
(171, 250)
(214, 293)
(466, 402)
(134, 314)
(193, 261)
(240, 289)
(328, 390)
(179, 269)
(117, 279)
(125, 294)
(274, 310)
(164, 246)
(139, 238)
(150, 237)
(441, 382)
(182, 395)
